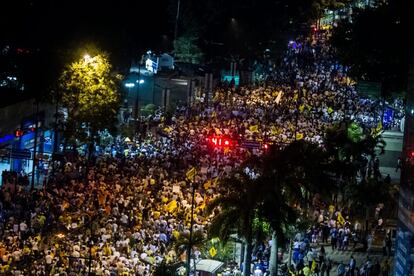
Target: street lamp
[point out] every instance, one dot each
(190, 239)
(139, 81)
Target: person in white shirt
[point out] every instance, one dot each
(258, 272)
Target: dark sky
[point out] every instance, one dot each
(119, 26)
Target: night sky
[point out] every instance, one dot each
(121, 26)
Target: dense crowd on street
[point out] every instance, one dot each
(130, 205)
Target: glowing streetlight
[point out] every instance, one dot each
(141, 81)
(129, 84)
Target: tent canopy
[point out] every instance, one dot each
(208, 265)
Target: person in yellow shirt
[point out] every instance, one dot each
(306, 270)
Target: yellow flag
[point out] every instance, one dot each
(279, 97)
(274, 130)
(330, 110)
(215, 181)
(171, 206)
(301, 107)
(313, 265)
(202, 206)
(254, 128)
(212, 251)
(190, 174)
(341, 219)
(299, 136)
(176, 234)
(207, 185)
(377, 131)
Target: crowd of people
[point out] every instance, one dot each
(124, 213)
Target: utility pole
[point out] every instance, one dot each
(190, 239)
(90, 247)
(176, 19)
(56, 130)
(137, 118)
(36, 121)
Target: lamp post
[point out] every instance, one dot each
(128, 85)
(139, 81)
(131, 85)
(56, 130)
(36, 132)
(190, 239)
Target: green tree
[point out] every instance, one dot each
(251, 204)
(187, 50)
(91, 97)
(235, 209)
(198, 240)
(348, 146)
(357, 194)
(290, 176)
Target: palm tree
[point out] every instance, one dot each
(290, 176)
(348, 145)
(235, 209)
(198, 240)
(357, 193)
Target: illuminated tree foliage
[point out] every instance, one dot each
(186, 49)
(91, 97)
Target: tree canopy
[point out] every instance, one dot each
(90, 94)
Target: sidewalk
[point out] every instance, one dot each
(338, 256)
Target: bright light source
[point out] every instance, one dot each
(87, 57)
(140, 81)
(129, 84)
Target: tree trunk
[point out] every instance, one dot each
(194, 265)
(242, 253)
(248, 253)
(273, 264)
(290, 252)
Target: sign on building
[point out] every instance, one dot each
(369, 89)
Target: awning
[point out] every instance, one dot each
(207, 265)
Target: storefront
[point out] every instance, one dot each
(17, 151)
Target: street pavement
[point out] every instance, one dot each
(338, 256)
